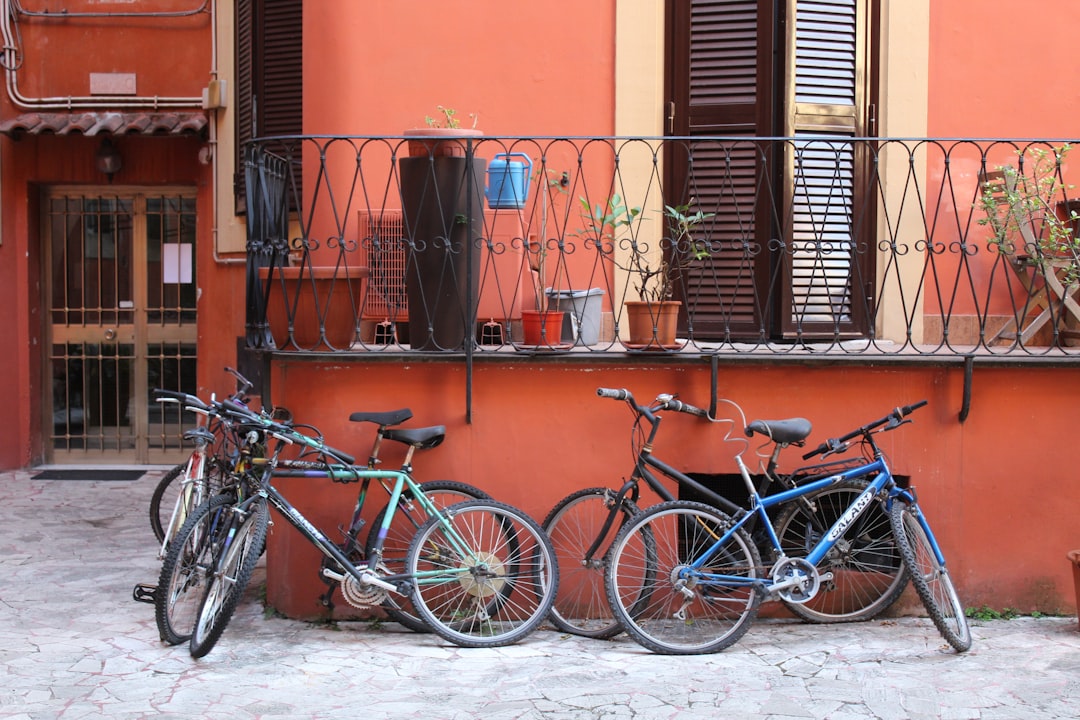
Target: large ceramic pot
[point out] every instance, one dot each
(441, 202)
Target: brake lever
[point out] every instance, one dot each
(894, 422)
(835, 446)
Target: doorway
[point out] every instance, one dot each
(121, 290)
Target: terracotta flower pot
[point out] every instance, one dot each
(652, 326)
(1074, 560)
(439, 142)
(542, 328)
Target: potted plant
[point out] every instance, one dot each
(1022, 208)
(442, 135)
(1033, 227)
(544, 325)
(652, 320)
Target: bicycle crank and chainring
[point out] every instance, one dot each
(799, 580)
(361, 595)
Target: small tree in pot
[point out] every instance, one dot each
(653, 319)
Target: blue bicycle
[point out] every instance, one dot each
(685, 578)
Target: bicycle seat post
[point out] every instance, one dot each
(373, 458)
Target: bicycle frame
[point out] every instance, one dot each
(189, 485)
(882, 483)
(646, 460)
(365, 574)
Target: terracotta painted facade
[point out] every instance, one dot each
(538, 431)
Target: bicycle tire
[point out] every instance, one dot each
(581, 606)
(408, 518)
(931, 578)
(163, 501)
(494, 590)
(185, 570)
(657, 612)
(241, 548)
(869, 574)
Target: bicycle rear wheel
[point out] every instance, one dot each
(242, 544)
(661, 602)
(581, 606)
(929, 575)
(869, 574)
(408, 518)
(483, 576)
(186, 569)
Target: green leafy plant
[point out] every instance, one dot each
(657, 283)
(1020, 203)
(988, 613)
(602, 222)
(447, 118)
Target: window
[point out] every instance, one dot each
(269, 69)
(788, 259)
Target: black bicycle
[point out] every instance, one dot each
(867, 571)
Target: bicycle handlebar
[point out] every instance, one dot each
(683, 407)
(894, 419)
(663, 402)
(192, 402)
(283, 432)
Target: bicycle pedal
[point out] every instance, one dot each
(145, 593)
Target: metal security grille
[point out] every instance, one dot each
(122, 309)
(382, 239)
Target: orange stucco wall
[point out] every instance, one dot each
(523, 68)
(539, 432)
(996, 71)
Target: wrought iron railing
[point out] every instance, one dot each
(811, 244)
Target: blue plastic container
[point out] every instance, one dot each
(508, 181)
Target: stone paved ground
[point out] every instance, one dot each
(73, 644)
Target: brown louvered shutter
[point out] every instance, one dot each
(720, 77)
(784, 258)
(269, 66)
(825, 281)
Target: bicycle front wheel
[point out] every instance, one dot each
(483, 575)
(186, 570)
(929, 575)
(663, 603)
(574, 524)
(408, 518)
(164, 502)
(242, 544)
(868, 573)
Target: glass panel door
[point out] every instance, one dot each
(121, 289)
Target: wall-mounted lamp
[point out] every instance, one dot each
(108, 159)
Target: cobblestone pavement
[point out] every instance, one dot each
(75, 645)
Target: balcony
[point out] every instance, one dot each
(809, 246)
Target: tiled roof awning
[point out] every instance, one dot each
(105, 123)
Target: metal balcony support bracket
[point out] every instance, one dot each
(969, 371)
(714, 365)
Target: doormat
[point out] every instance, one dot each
(98, 474)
